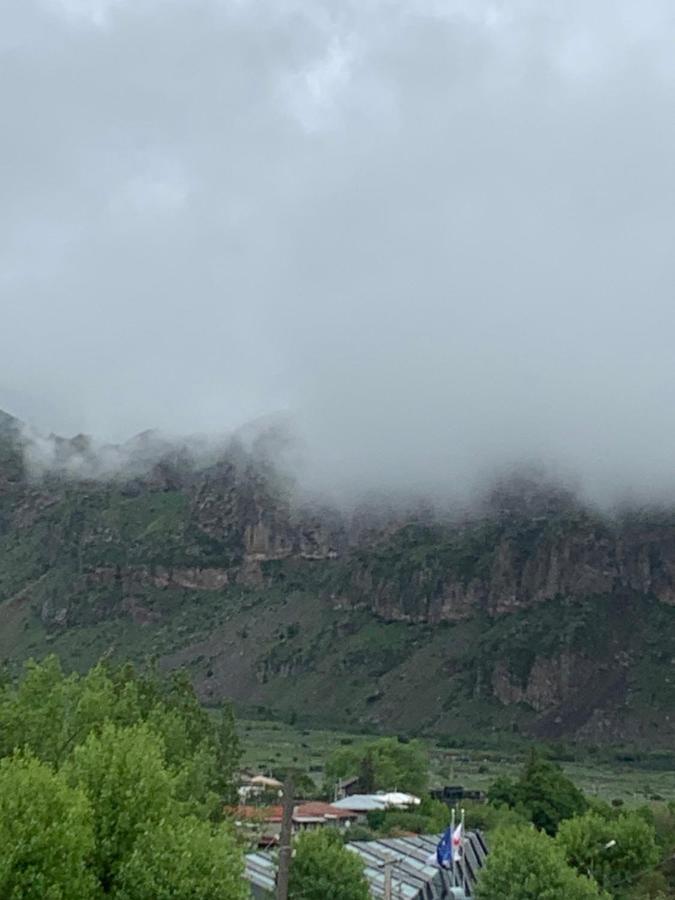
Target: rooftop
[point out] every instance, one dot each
(413, 876)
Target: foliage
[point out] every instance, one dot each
(384, 764)
(122, 773)
(543, 794)
(136, 756)
(526, 864)
(488, 818)
(50, 714)
(614, 850)
(184, 859)
(45, 834)
(324, 869)
(429, 817)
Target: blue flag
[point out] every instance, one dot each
(444, 849)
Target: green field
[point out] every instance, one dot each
(271, 746)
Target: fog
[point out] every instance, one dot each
(435, 235)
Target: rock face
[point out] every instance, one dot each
(574, 559)
(531, 577)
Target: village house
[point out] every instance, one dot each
(266, 821)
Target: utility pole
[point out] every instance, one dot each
(387, 864)
(285, 840)
(387, 879)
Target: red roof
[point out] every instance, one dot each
(316, 809)
(313, 809)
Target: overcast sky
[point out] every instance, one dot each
(439, 233)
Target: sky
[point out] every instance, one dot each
(435, 235)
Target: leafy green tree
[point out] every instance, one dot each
(526, 864)
(614, 851)
(123, 775)
(185, 859)
(139, 752)
(324, 869)
(387, 764)
(503, 792)
(543, 793)
(46, 834)
(50, 714)
(490, 818)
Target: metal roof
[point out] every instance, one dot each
(361, 802)
(413, 876)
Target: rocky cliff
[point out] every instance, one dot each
(532, 613)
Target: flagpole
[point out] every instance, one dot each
(452, 849)
(464, 880)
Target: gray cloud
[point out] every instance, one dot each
(437, 233)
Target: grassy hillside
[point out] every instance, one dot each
(535, 617)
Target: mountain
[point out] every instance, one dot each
(531, 615)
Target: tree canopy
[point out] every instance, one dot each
(383, 764)
(107, 787)
(614, 850)
(50, 713)
(185, 858)
(527, 864)
(46, 834)
(543, 794)
(324, 869)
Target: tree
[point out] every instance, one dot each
(614, 851)
(122, 773)
(543, 793)
(324, 869)
(384, 764)
(526, 864)
(140, 753)
(50, 714)
(46, 834)
(183, 860)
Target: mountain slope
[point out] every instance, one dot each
(535, 615)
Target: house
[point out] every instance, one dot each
(413, 876)
(361, 803)
(455, 793)
(266, 821)
(347, 786)
(316, 814)
(258, 785)
(365, 803)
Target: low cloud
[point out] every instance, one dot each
(437, 236)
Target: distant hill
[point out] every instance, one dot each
(533, 615)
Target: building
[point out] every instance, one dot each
(347, 786)
(407, 859)
(257, 786)
(452, 794)
(362, 804)
(265, 821)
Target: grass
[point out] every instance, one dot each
(270, 746)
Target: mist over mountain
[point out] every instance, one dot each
(525, 611)
(335, 350)
(435, 235)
